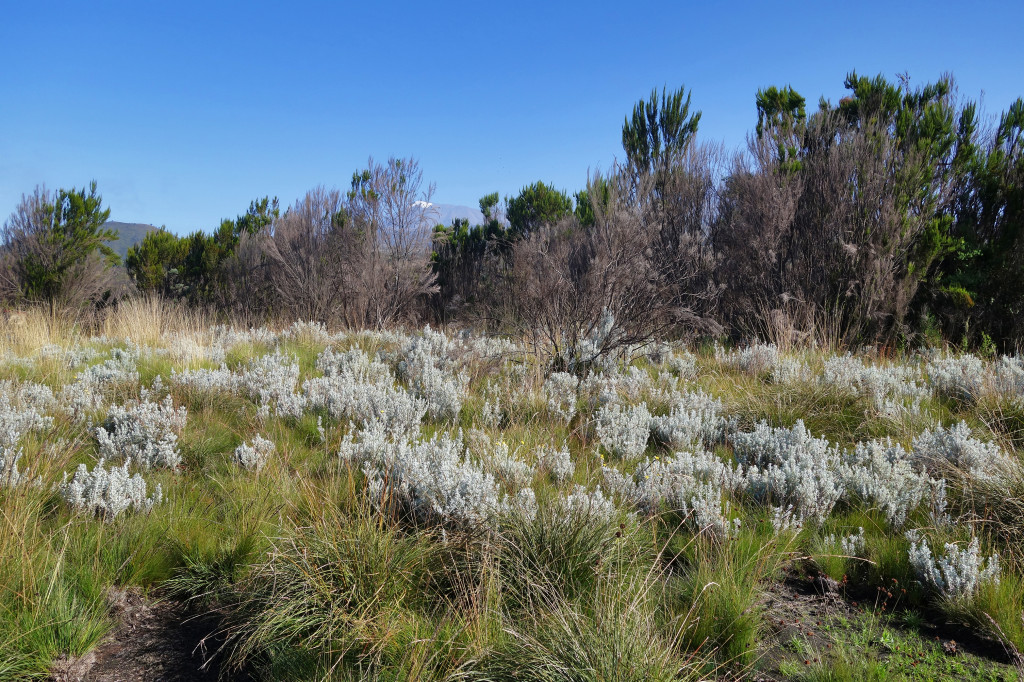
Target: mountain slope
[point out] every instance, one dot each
(128, 235)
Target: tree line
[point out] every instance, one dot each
(893, 217)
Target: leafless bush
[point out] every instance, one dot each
(824, 243)
(361, 259)
(582, 293)
(305, 249)
(248, 292)
(391, 222)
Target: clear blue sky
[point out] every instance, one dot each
(184, 111)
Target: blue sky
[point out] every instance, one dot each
(183, 112)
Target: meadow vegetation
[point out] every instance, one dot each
(436, 504)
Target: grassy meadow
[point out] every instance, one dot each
(432, 504)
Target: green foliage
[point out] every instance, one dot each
(154, 263)
(190, 267)
(536, 205)
(51, 239)
(599, 192)
(782, 114)
(655, 133)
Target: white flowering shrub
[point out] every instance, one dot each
(624, 431)
(562, 392)
(144, 431)
(955, 446)
(556, 461)
(891, 390)
(958, 573)
(107, 493)
(683, 363)
(960, 377)
(692, 422)
(882, 474)
(255, 454)
(791, 467)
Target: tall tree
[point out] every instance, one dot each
(55, 247)
(536, 205)
(656, 132)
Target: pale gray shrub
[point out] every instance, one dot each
(709, 513)
(18, 417)
(86, 393)
(849, 545)
(958, 377)
(691, 484)
(562, 392)
(624, 431)
(433, 479)
(692, 422)
(881, 473)
(501, 461)
(683, 363)
(355, 364)
(270, 381)
(757, 359)
(791, 467)
(892, 390)
(658, 352)
(785, 519)
(9, 474)
(430, 367)
(28, 395)
(343, 395)
(144, 431)
(589, 506)
(106, 493)
(1009, 377)
(438, 483)
(255, 454)
(207, 380)
(958, 573)
(491, 413)
(789, 370)
(119, 368)
(941, 448)
(556, 461)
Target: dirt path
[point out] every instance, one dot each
(154, 642)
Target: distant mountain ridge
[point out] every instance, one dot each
(128, 235)
(446, 213)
